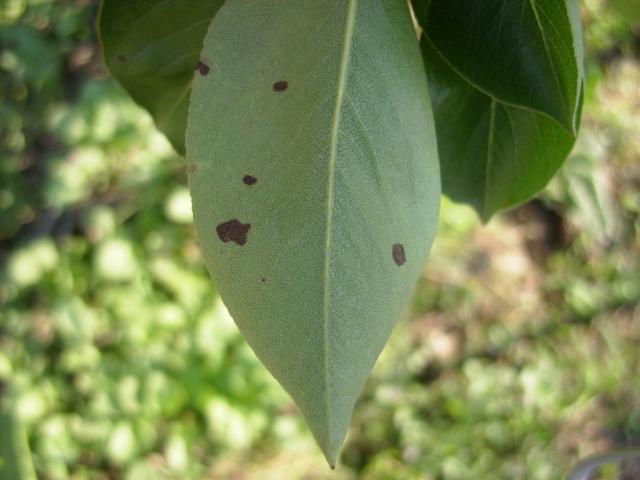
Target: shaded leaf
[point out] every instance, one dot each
(520, 52)
(152, 48)
(506, 82)
(315, 189)
(493, 155)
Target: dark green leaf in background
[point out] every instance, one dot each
(152, 48)
(493, 156)
(315, 189)
(522, 52)
(506, 82)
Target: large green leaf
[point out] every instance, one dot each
(494, 153)
(315, 184)
(521, 52)
(152, 48)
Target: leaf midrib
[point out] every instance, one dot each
(337, 116)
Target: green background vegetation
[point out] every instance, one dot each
(118, 361)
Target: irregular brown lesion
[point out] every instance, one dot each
(191, 168)
(249, 180)
(203, 68)
(233, 231)
(398, 253)
(280, 86)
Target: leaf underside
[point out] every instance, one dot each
(506, 84)
(152, 48)
(315, 183)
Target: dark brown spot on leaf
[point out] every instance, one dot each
(398, 254)
(191, 168)
(233, 231)
(203, 68)
(280, 86)
(121, 58)
(264, 279)
(249, 180)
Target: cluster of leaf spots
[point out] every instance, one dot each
(234, 230)
(495, 147)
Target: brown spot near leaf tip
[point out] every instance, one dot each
(203, 68)
(280, 86)
(233, 231)
(398, 254)
(249, 180)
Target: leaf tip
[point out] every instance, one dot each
(485, 216)
(332, 456)
(331, 447)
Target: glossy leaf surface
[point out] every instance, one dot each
(494, 153)
(152, 48)
(493, 156)
(315, 185)
(521, 52)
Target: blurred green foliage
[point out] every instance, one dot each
(118, 360)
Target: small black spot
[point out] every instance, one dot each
(121, 58)
(398, 254)
(263, 279)
(249, 180)
(280, 86)
(233, 231)
(203, 68)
